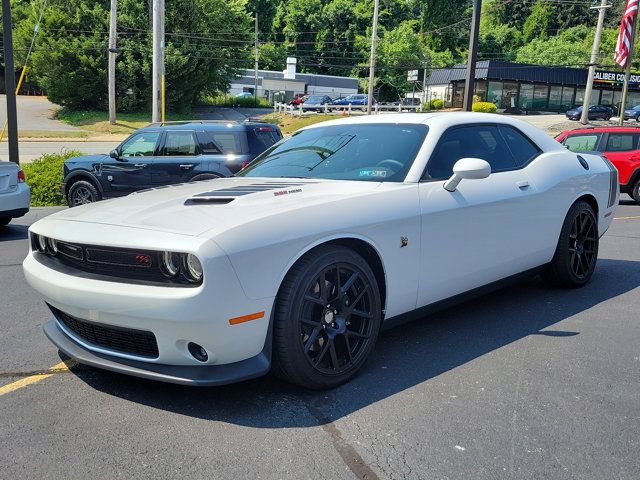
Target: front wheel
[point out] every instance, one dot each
(327, 317)
(576, 254)
(81, 193)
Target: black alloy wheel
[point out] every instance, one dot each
(576, 254)
(81, 193)
(335, 325)
(583, 244)
(635, 191)
(327, 317)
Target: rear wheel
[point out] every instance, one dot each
(635, 191)
(577, 251)
(82, 192)
(327, 318)
(4, 221)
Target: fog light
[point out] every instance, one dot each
(42, 243)
(198, 352)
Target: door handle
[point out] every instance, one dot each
(186, 166)
(140, 165)
(523, 185)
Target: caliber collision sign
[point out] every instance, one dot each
(614, 77)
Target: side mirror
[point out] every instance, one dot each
(468, 169)
(114, 154)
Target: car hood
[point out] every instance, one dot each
(214, 206)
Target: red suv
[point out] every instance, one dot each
(621, 145)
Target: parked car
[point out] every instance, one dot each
(621, 145)
(299, 99)
(244, 95)
(596, 112)
(165, 154)
(632, 113)
(15, 194)
(358, 99)
(297, 262)
(316, 103)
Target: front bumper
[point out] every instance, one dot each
(209, 375)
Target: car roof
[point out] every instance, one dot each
(206, 125)
(608, 129)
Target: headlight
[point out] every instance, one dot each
(170, 263)
(193, 268)
(41, 243)
(53, 246)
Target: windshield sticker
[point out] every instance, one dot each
(286, 192)
(373, 173)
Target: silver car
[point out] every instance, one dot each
(15, 194)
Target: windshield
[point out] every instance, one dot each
(367, 152)
(314, 99)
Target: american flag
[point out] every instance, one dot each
(626, 30)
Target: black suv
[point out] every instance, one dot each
(164, 154)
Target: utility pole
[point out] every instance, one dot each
(372, 58)
(255, 80)
(112, 61)
(158, 61)
(584, 118)
(10, 82)
(470, 78)
(627, 71)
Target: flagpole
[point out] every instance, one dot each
(627, 71)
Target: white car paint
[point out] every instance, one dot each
(484, 231)
(15, 195)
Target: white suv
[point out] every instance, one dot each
(15, 194)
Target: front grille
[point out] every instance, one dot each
(119, 339)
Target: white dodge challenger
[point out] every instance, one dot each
(295, 264)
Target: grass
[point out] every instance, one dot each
(232, 101)
(96, 122)
(289, 124)
(52, 134)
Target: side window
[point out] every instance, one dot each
(179, 144)
(482, 141)
(582, 143)
(207, 144)
(227, 141)
(621, 142)
(140, 145)
(522, 149)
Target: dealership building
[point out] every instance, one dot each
(282, 86)
(526, 87)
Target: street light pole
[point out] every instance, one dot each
(10, 82)
(372, 58)
(255, 80)
(473, 55)
(584, 117)
(158, 60)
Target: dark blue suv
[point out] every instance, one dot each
(164, 154)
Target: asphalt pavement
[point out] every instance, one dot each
(31, 150)
(530, 382)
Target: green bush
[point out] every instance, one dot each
(231, 101)
(44, 176)
(436, 104)
(486, 107)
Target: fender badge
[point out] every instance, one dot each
(404, 241)
(110, 178)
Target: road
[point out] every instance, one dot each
(35, 114)
(528, 383)
(29, 151)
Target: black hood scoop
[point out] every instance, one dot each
(228, 195)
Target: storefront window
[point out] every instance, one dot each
(494, 94)
(555, 96)
(540, 93)
(617, 98)
(509, 94)
(458, 94)
(567, 98)
(480, 89)
(579, 97)
(606, 97)
(633, 98)
(526, 97)
(595, 96)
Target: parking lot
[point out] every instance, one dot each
(530, 382)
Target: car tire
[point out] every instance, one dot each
(205, 176)
(576, 254)
(607, 118)
(82, 192)
(4, 221)
(635, 191)
(319, 341)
